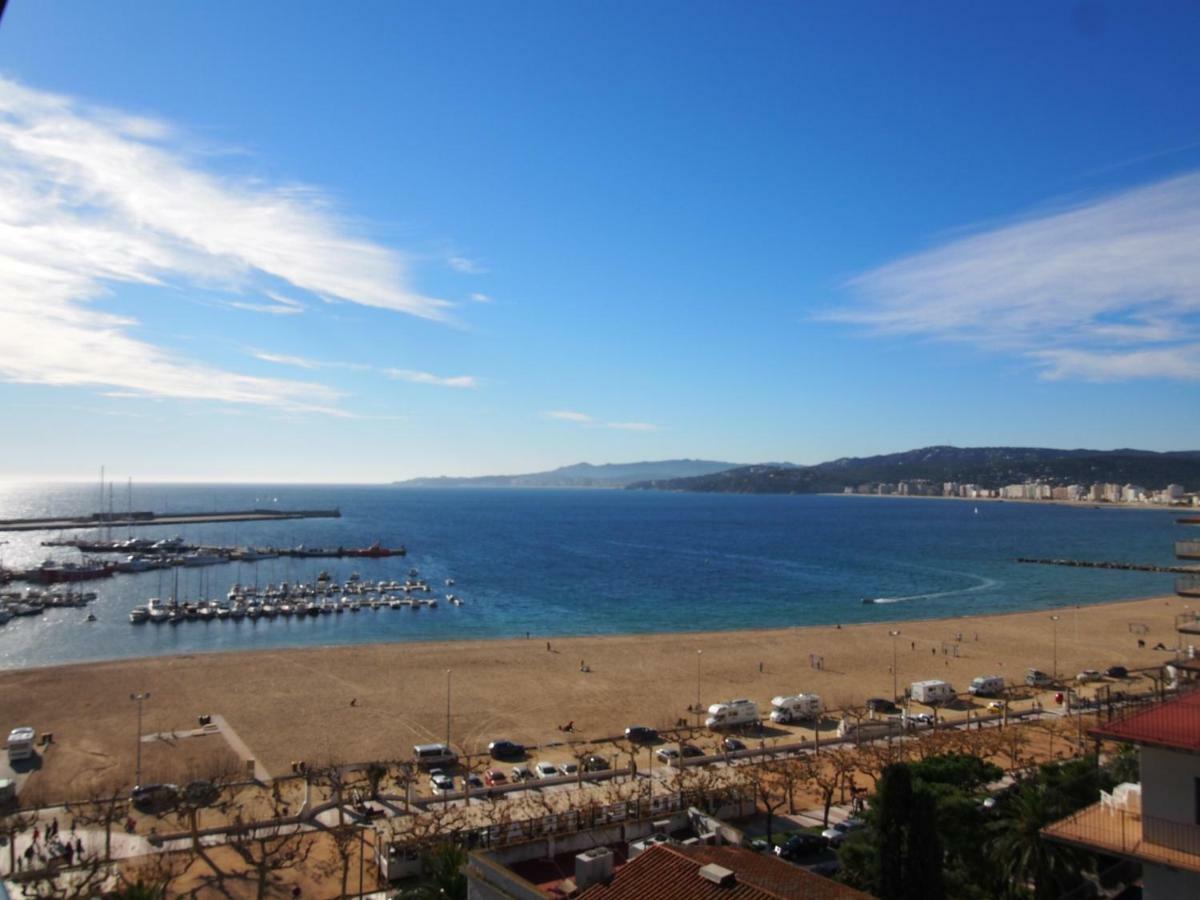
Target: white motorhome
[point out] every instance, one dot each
(20, 743)
(932, 692)
(731, 714)
(869, 729)
(987, 686)
(796, 708)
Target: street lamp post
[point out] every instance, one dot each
(446, 794)
(139, 698)
(1054, 619)
(895, 634)
(699, 654)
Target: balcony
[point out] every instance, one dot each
(1187, 549)
(1188, 585)
(1119, 832)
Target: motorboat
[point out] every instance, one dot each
(139, 615)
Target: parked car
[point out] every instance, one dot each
(440, 782)
(155, 798)
(505, 749)
(732, 744)
(691, 751)
(546, 770)
(1088, 675)
(996, 706)
(596, 764)
(642, 734)
(521, 773)
(800, 845)
(838, 832)
(667, 754)
(474, 782)
(201, 793)
(882, 705)
(568, 769)
(494, 777)
(921, 718)
(1117, 672)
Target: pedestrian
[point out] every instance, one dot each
(68, 852)
(78, 848)
(54, 826)
(914, 645)
(35, 834)
(547, 646)
(29, 854)
(354, 701)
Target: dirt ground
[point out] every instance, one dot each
(350, 704)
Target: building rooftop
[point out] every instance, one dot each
(669, 872)
(1173, 724)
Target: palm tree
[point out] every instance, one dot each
(1023, 855)
(444, 878)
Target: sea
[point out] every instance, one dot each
(545, 563)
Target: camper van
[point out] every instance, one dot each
(731, 714)
(796, 708)
(428, 756)
(20, 743)
(869, 729)
(987, 686)
(932, 692)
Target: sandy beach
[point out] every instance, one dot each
(360, 703)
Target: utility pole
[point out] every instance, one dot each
(139, 699)
(895, 633)
(1054, 674)
(699, 654)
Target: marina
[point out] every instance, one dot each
(143, 519)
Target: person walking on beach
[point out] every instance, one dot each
(547, 646)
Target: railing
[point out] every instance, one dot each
(1132, 834)
(1188, 585)
(1187, 549)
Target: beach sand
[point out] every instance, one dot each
(368, 702)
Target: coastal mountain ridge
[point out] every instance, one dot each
(988, 467)
(607, 475)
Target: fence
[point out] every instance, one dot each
(1118, 831)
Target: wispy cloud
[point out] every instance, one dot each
(465, 265)
(1104, 290)
(580, 418)
(631, 426)
(481, 298)
(90, 198)
(567, 415)
(283, 306)
(411, 375)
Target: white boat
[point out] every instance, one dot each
(138, 615)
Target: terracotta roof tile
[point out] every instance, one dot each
(667, 872)
(1174, 724)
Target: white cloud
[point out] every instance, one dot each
(567, 415)
(1104, 290)
(481, 298)
(455, 381)
(285, 360)
(465, 265)
(631, 426)
(90, 198)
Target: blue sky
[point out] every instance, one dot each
(378, 240)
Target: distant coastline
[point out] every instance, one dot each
(1078, 504)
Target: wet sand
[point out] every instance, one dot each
(360, 703)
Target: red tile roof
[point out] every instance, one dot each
(668, 872)
(1174, 724)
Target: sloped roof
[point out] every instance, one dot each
(1174, 724)
(668, 872)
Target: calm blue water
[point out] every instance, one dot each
(595, 562)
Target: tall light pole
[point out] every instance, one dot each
(139, 699)
(1054, 619)
(699, 654)
(895, 633)
(448, 673)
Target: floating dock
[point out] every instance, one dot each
(137, 519)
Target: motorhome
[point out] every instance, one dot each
(796, 708)
(987, 686)
(731, 714)
(20, 743)
(932, 692)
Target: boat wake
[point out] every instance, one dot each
(983, 585)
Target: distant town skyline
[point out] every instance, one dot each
(289, 243)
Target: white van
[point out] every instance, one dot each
(731, 714)
(20, 743)
(987, 686)
(869, 729)
(932, 692)
(796, 708)
(429, 755)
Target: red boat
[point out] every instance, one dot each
(377, 551)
